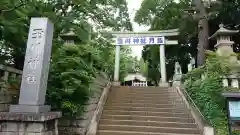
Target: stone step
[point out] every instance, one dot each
(144, 97)
(140, 92)
(143, 89)
(148, 118)
(147, 123)
(146, 113)
(115, 132)
(149, 88)
(141, 101)
(167, 92)
(148, 101)
(149, 109)
(110, 104)
(149, 129)
(140, 88)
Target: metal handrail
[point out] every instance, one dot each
(194, 105)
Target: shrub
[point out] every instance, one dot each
(70, 77)
(206, 92)
(73, 69)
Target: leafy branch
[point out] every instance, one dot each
(22, 3)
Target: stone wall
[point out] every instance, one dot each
(29, 123)
(80, 124)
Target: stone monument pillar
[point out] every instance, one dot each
(31, 115)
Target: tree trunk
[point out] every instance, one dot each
(202, 41)
(203, 32)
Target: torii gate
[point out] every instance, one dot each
(144, 38)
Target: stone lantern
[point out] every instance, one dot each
(224, 43)
(70, 37)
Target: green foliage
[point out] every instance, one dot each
(72, 72)
(15, 17)
(206, 92)
(73, 67)
(70, 77)
(163, 15)
(236, 132)
(128, 63)
(170, 14)
(143, 67)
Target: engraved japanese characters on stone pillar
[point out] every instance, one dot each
(36, 67)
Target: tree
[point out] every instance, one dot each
(162, 15)
(203, 31)
(73, 67)
(143, 67)
(204, 10)
(167, 15)
(15, 16)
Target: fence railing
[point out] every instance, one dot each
(10, 79)
(9, 72)
(231, 81)
(139, 84)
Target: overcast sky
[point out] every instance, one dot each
(134, 5)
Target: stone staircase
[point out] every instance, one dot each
(146, 111)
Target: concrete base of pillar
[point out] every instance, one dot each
(29, 123)
(30, 108)
(116, 83)
(176, 83)
(163, 84)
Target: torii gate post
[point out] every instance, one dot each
(117, 65)
(144, 38)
